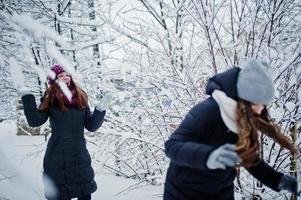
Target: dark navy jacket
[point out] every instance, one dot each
(67, 161)
(188, 148)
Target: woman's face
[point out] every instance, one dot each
(64, 77)
(257, 108)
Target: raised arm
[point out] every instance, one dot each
(95, 120)
(34, 117)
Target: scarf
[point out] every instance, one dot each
(72, 101)
(227, 108)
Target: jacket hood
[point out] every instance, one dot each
(225, 81)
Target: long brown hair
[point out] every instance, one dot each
(51, 97)
(249, 124)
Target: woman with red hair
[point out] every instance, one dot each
(67, 163)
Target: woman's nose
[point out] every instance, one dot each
(257, 109)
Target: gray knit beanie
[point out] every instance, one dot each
(254, 83)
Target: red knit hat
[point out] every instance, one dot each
(57, 69)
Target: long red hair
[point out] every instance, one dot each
(249, 125)
(51, 97)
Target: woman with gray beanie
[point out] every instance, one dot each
(221, 133)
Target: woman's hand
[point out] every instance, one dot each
(222, 157)
(289, 183)
(105, 102)
(22, 91)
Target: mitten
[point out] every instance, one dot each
(105, 102)
(222, 157)
(289, 183)
(22, 91)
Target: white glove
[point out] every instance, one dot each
(22, 91)
(222, 157)
(105, 102)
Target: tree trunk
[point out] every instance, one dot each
(95, 47)
(71, 34)
(293, 158)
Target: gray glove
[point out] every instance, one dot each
(105, 102)
(289, 183)
(22, 91)
(222, 157)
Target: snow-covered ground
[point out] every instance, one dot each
(21, 167)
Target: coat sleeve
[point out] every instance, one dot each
(34, 117)
(95, 120)
(266, 174)
(182, 147)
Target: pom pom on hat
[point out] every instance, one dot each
(254, 83)
(53, 72)
(57, 69)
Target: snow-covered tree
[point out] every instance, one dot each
(156, 56)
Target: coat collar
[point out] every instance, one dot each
(226, 82)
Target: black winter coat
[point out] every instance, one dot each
(188, 148)
(67, 161)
